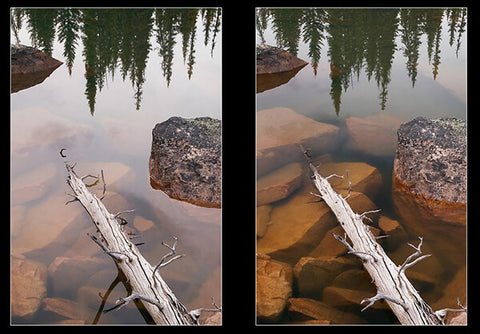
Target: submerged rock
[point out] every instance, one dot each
(279, 183)
(429, 184)
(185, 160)
(29, 286)
(30, 66)
(274, 288)
(281, 131)
(302, 309)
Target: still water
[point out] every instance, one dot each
(124, 71)
(370, 63)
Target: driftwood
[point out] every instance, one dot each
(147, 285)
(392, 284)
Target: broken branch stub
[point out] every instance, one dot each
(392, 284)
(146, 282)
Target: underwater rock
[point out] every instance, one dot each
(185, 160)
(29, 286)
(429, 184)
(30, 66)
(281, 131)
(279, 183)
(274, 287)
(375, 134)
(302, 309)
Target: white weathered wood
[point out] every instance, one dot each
(146, 282)
(392, 284)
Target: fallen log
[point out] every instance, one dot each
(147, 285)
(392, 284)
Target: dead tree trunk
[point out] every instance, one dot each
(146, 282)
(392, 284)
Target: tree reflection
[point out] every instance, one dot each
(363, 40)
(118, 39)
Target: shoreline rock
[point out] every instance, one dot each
(30, 66)
(185, 160)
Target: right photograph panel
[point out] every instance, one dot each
(361, 132)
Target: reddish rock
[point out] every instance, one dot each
(363, 177)
(300, 223)
(28, 287)
(344, 297)
(375, 134)
(271, 59)
(274, 287)
(281, 131)
(279, 183)
(312, 275)
(396, 233)
(263, 219)
(29, 67)
(304, 309)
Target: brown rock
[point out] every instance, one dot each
(300, 223)
(263, 219)
(280, 131)
(215, 319)
(456, 288)
(312, 275)
(271, 59)
(279, 183)
(32, 185)
(68, 274)
(29, 67)
(392, 228)
(66, 308)
(329, 246)
(28, 287)
(455, 318)
(301, 309)
(375, 134)
(342, 297)
(271, 80)
(356, 279)
(142, 224)
(363, 177)
(274, 287)
(41, 227)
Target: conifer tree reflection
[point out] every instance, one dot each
(362, 39)
(118, 39)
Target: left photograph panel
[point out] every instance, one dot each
(116, 166)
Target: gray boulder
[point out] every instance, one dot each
(185, 160)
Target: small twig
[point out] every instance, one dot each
(104, 186)
(332, 175)
(121, 302)
(349, 185)
(364, 215)
(361, 255)
(75, 198)
(172, 252)
(407, 264)
(379, 296)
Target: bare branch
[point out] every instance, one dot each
(441, 314)
(379, 296)
(121, 302)
(198, 312)
(361, 255)
(408, 261)
(364, 215)
(172, 252)
(339, 176)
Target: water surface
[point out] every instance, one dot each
(124, 71)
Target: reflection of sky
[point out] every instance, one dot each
(443, 97)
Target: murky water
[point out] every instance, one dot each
(383, 65)
(124, 71)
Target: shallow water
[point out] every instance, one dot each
(144, 66)
(370, 63)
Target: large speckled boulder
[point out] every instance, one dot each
(185, 160)
(429, 184)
